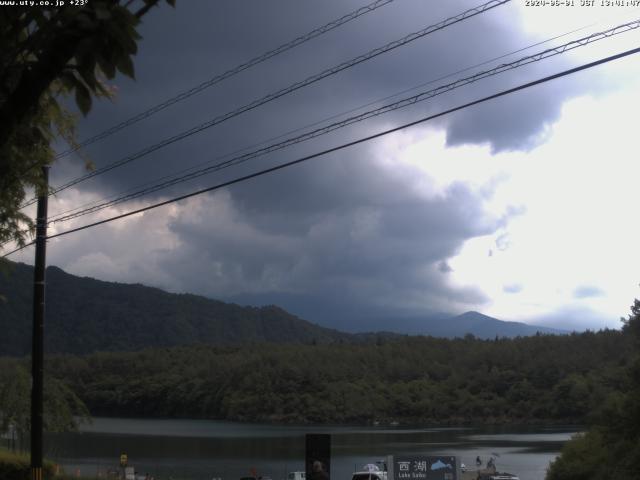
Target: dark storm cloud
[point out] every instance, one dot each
(215, 37)
(374, 242)
(344, 236)
(514, 123)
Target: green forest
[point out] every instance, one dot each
(590, 379)
(610, 448)
(545, 378)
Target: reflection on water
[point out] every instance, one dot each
(525, 437)
(200, 449)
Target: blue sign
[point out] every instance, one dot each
(425, 468)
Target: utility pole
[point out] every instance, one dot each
(37, 350)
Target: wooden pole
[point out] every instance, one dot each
(37, 350)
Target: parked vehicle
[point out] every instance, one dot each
(370, 472)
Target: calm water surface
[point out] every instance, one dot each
(202, 449)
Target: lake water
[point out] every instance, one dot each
(203, 449)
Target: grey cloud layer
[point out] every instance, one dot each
(211, 40)
(376, 240)
(344, 233)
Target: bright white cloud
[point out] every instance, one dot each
(577, 227)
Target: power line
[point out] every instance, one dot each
(57, 217)
(229, 73)
(280, 93)
(96, 205)
(326, 119)
(348, 144)
(403, 103)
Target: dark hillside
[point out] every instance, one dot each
(86, 315)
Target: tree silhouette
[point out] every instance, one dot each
(48, 53)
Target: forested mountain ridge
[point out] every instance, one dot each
(86, 315)
(483, 326)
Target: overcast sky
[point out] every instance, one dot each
(524, 208)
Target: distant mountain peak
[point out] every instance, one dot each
(484, 326)
(474, 314)
(86, 315)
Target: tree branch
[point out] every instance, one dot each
(144, 10)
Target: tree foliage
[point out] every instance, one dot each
(610, 449)
(540, 379)
(63, 410)
(48, 53)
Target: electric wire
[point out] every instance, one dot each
(344, 145)
(229, 73)
(403, 103)
(280, 93)
(318, 122)
(100, 204)
(115, 198)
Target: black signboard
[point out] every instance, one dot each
(425, 468)
(318, 456)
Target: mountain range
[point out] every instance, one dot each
(85, 315)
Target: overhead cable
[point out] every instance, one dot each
(229, 73)
(113, 197)
(403, 103)
(345, 145)
(280, 93)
